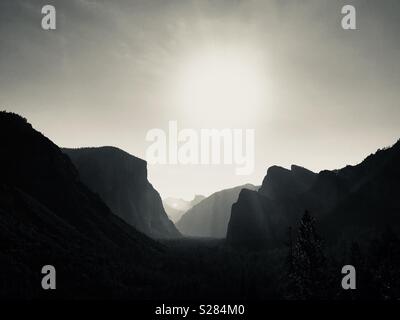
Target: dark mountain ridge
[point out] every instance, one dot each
(120, 179)
(48, 216)
(346, 202)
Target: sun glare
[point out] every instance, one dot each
(222, 84)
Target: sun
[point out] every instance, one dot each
(221, 84)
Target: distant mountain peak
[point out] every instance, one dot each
(177, 207)
(210, 217)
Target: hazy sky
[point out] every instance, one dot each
(316, 95)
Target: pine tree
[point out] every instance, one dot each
(307, 269)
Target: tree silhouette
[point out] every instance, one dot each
(307, 263)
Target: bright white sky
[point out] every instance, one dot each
(317, 96)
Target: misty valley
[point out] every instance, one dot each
(169, 159)
(93, 215)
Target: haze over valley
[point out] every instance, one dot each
(197, 151)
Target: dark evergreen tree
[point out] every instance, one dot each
(307, 263)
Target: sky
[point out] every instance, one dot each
(315, 95)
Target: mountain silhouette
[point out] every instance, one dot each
(279, 182)
(120, 179)
(210, 217)
(176, 208)
(49, 217)
(346, 202)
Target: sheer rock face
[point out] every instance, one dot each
(280, 182)
(347, 202)
(120, 179)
